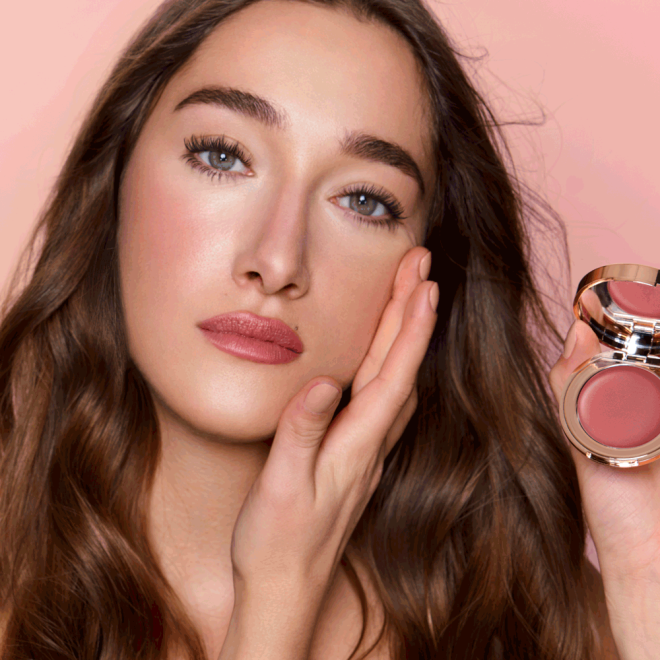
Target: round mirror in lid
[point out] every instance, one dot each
(621, 303)
(610, 406)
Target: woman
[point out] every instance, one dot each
(319, 165)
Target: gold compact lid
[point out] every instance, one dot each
(621, 303)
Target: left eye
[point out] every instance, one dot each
(369, 201)
(364, 204)
(223, 161)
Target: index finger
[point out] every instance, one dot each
(372, 413)
(407, 278)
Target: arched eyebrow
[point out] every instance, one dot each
(355, 143)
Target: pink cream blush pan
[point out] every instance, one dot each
(620, 407)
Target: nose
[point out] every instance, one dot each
(272, 253)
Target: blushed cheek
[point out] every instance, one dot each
(161, 239)
(361, 298)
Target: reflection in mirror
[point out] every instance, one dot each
(636, 298)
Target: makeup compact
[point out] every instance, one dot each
(610, 406)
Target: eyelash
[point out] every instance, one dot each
(220, 144)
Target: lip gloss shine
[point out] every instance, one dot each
(249, 348)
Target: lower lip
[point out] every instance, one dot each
(255, 350)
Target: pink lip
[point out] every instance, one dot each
(253, 337)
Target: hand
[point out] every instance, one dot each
(621, 505)
(319, 476)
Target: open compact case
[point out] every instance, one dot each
(610, 407)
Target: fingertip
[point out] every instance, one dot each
(322, 397)
(580, 337)
(585, 347)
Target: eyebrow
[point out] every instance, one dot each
(355, 143)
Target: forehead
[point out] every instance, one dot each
(325, 69)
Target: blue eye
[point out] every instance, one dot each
(222, 152)
(382, 197)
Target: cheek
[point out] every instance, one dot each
(354, 305)
(163, 249)
(163, 243)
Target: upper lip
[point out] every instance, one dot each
(256, 327)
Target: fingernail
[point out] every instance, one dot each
(571, 340)
(434, 296)
(321, 398)
(425, 267)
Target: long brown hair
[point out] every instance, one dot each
(475, 536)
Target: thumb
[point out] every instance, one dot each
(585, 346)
(303, 425)
(581, 345)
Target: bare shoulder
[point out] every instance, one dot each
(607, 648)
(340, 620)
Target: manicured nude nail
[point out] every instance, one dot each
(425, 267)
(321, 397)
(434, 296)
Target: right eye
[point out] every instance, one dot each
(217, 155)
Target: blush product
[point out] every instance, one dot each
(610, 406)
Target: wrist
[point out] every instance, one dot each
(633, 606)
(270, 627)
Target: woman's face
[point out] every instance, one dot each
(207, 233)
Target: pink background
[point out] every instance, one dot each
(591, 65)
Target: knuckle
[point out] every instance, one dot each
(306, 432)
(402, 394)
(398, 389)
